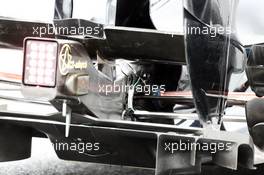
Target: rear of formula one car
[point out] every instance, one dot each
(104, 87)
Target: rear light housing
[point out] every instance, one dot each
(55, 68)
(40, 63)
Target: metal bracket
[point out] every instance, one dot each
(129, 111)
(67, 113)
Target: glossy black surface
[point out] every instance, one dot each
(255, 69)
(210, 59)
(14, 31)
(63, 9)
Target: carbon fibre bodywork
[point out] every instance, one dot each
(125, 54)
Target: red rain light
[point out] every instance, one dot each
(40, 63)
